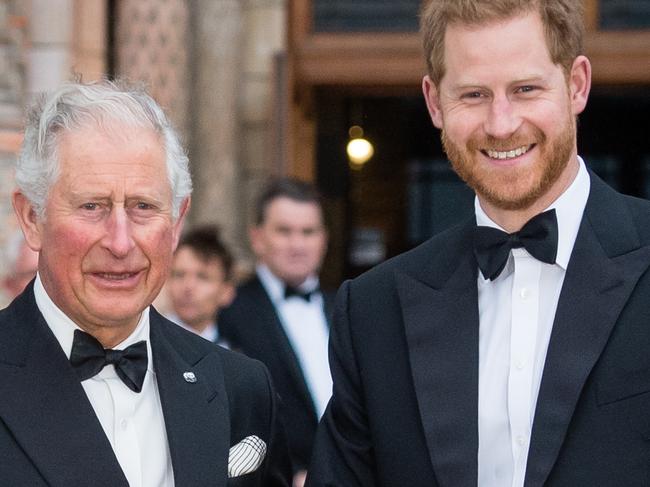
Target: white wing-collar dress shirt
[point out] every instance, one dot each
(305, 324)
(133, 422)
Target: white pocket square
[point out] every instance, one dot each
(246, 456)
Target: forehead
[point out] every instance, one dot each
(293, 212)
(187, 256)
(516, 44)
(93, 155)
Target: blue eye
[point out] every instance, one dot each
(90, 206)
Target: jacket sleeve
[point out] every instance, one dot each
(278, 468)
(343, 453)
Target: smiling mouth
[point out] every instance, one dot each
(509, 154)
(111, 276)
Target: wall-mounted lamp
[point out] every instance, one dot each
(359, 149)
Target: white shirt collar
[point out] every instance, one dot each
(274, 285)
(210, 332)
(63, 327)
(569, 207)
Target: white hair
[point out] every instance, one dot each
(75, 105)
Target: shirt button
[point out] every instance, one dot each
(521, 440)
(520, 365)
(123, 424)
(524, 293)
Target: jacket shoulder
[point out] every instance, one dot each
(640, 210)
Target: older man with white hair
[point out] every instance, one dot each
(98, 388)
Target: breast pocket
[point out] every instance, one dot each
(631, 394)
(248, 480)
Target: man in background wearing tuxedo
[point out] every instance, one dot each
(200, 282)
(280, 316)
(97, 388)
(512, 349)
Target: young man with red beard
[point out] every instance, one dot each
(510, 350)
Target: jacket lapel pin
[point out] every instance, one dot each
(189, 377)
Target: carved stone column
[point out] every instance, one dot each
(152, 40)
(217, 63)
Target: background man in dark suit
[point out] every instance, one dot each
(280, 315)
(200, 282)
(513, 352)
(97, 388)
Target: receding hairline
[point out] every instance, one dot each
(291, 188)
(316, 204)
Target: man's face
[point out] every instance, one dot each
(107, 237)
(291, 240)
(507, 112)
(197, 288)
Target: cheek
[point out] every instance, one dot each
(462, 125)
(68, 242)
(173, 286)
(277, 246)
(210, 293)
(156, 244)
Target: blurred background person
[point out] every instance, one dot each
(22, 263)
(200, 282)
(280, 316)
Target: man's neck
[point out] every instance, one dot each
(199, 327)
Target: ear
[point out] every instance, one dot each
(432, 100)
(180, 221)
(28, 220)
(579, 84)
(326, 241)
(227, 296)
(256, 239)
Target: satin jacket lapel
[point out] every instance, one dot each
(44, 405)
(605, 265)
(280, 342)
(440, 312)
(196, 413)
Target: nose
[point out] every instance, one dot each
(297, 241)
(119, 234)
(188, 285)
(502, 119)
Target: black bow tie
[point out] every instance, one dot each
(88, 358)
(538, 237)
(290, 291)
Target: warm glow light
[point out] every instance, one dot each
(360, 151)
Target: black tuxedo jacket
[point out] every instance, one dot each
(404, 358)
(50, 435)
(251, 325)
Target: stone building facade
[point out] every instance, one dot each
(210, 63)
